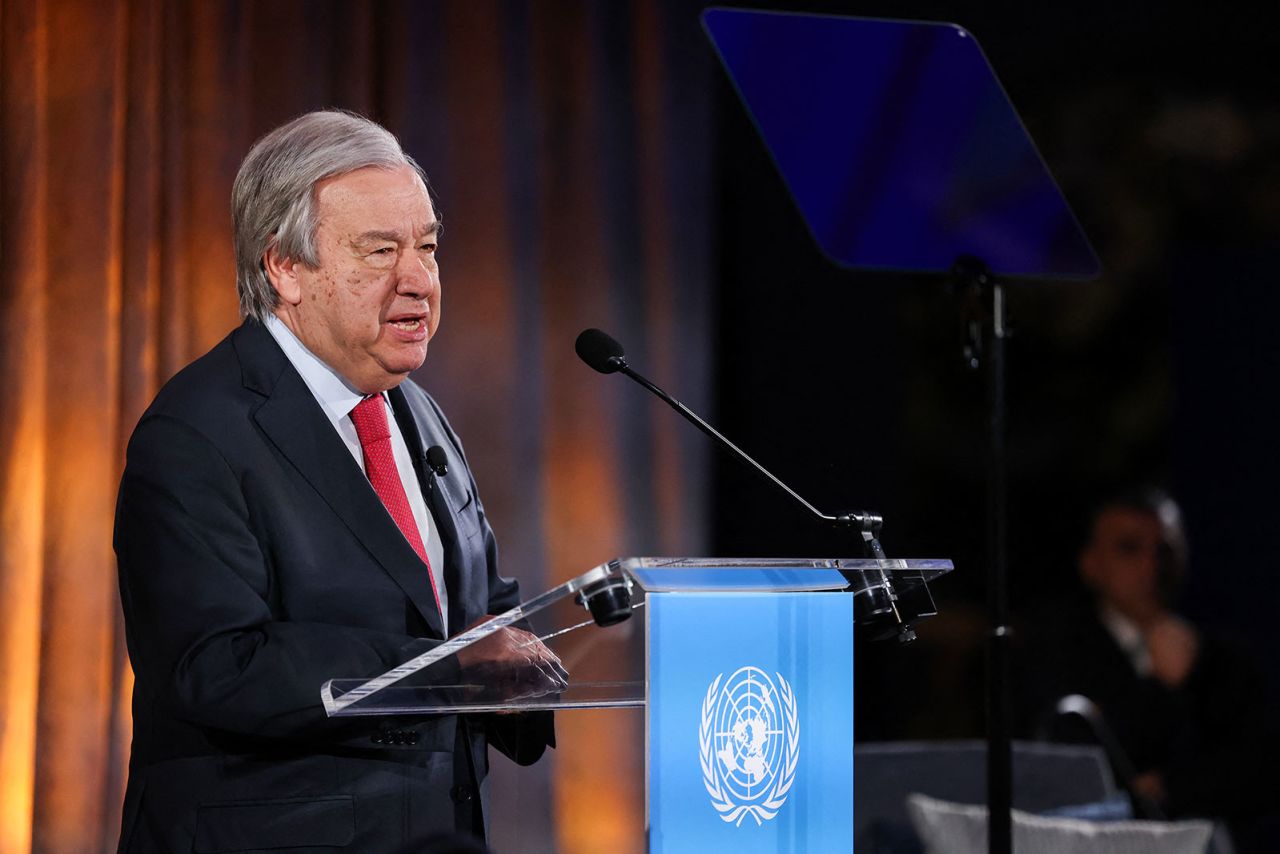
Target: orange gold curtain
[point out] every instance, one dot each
(561, 138)
(103, 297)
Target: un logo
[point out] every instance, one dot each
(749, 744)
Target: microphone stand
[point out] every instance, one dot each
(866, 524)
(877, 605)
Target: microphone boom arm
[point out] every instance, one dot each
(867, 524)
(876, 604)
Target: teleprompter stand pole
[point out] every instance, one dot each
(986, 322)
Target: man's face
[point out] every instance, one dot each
(373, 302)
(1122, 562)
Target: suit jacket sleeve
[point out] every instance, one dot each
(197, 592)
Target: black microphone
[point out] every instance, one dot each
(437, 460)
(600, 351)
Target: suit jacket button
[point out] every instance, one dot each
(460, 794)
(414, 737)
(377, 738)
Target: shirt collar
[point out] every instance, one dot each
(330, 390)
(1128, 636)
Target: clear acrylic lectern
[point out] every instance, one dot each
(744, 669)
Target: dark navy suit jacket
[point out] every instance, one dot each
(256, 562)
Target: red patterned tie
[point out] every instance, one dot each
(370, 418)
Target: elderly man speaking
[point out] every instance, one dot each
(277, 526)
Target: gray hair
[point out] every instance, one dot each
(273, 200)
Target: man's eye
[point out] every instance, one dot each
(385, 250)
(428, 247)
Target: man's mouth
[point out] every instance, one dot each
(408, 324)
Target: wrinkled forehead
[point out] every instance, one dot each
(376, 199)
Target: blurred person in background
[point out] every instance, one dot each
(1184, 710)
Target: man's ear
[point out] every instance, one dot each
(283, 274)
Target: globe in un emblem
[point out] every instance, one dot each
(749, 742)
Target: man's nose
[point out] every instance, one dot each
(413, 276)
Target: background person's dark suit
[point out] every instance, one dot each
(1208, 737)
(256, 561)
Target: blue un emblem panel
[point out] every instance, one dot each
(750, 722)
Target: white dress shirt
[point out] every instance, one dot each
(1128, 636)
(337, 399)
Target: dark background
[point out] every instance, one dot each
(1163, 133)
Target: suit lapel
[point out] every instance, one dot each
(420, 435)
(294, 422)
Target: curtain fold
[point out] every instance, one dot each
(567, 144)
(23, 188)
